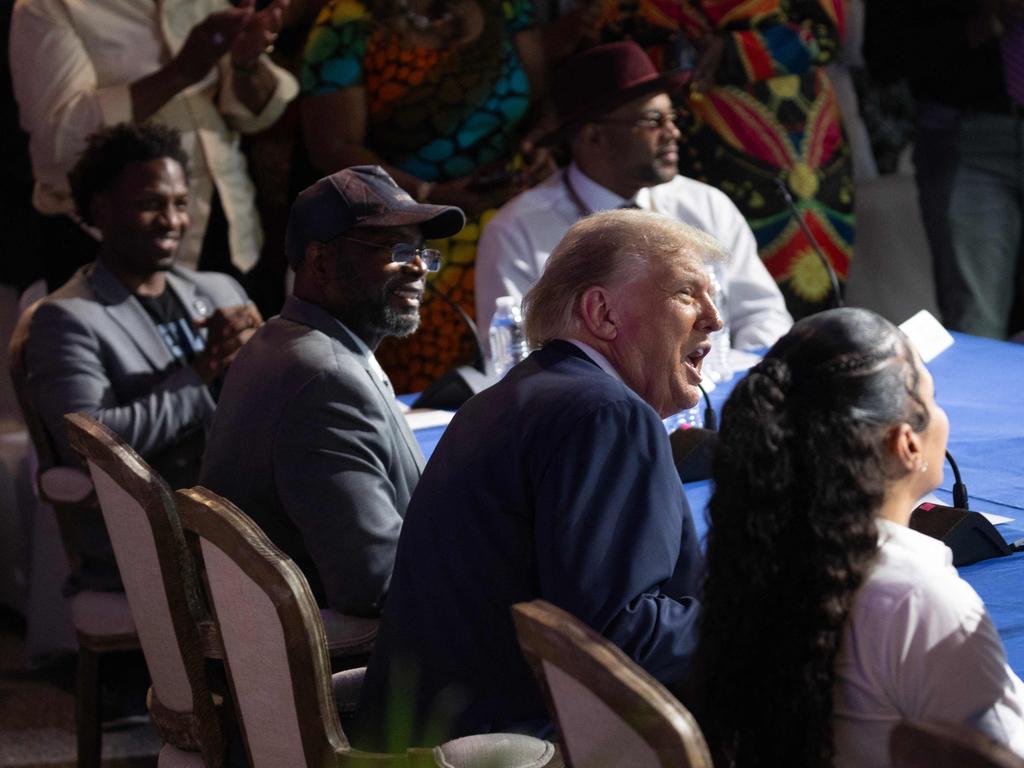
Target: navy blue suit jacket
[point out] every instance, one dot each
(558, 483)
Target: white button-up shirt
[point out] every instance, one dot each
(516, 243)
(72, 65)
(919, 645)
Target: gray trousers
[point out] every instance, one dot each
(970, 177)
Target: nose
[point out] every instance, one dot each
(710, 319)
(417, 263)
(172, 216)
(673, 129)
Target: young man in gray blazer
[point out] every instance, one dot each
(133, 340)
(308, 438)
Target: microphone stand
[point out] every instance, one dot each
(959, 489)
(480, 363)
(833, 278)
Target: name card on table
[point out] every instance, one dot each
(927, 335)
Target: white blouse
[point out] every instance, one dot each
(919, 645)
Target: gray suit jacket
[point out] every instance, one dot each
(309, 442)
(93, 348)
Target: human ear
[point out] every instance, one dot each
(904, 447)
(597, 313)
(320, 261)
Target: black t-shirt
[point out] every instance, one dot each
(174, 325)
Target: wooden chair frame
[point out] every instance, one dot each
(91, 647)
(920, 744)
(547, 633)
(198, 730)
(205, 515)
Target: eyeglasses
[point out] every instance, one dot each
(654, 120)
(405, 253)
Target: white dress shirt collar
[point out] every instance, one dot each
(918, 545)
(597, 357)
(597, 198)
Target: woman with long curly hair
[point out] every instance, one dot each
(827, 620)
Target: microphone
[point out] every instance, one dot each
(959, 489)
(837, 295)
(480, 363)
(969, 534)
(710, 418)
(462, 382)
(693, 449)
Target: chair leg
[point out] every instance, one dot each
(87, 709)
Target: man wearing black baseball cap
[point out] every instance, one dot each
(308, 439)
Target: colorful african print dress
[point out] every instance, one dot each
(438, 114)
(771, 114)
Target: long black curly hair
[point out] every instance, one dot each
(800, 474)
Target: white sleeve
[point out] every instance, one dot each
(237, 115)
(756, 310)
(948, 663)
(56, 89)
(504, 267)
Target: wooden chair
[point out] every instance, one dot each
(276, 655)
(162, 589)
(918, 744)
(609, 712)
(102, 620)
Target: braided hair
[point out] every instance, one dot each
(800, 474)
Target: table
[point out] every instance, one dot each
(980, 384)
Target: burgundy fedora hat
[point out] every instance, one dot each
(602, 78)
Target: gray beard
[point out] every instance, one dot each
(392, 323)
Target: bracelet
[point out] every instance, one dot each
(423, 190)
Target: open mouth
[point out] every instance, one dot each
(409, 295)
(695, 359)
(167, 242)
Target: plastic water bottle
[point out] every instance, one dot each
(716, 364)
(691, 417)
(508, 342)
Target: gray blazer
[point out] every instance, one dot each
(93, 348)
(309, 443)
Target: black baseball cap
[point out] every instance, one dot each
(363, 195)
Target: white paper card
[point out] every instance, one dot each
(927, 335)
(425, 418)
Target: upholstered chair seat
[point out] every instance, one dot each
(102, 613)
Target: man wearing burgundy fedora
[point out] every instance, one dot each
(617, 118)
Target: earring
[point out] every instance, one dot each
(924, 466)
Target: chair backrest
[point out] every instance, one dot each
(918, 744)
(66, 488)
(607, 709)
(160, 582)
(275, 650)
(46, 451)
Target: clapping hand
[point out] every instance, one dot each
(228, 329)
(259, 32)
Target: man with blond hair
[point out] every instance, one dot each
(556, 483)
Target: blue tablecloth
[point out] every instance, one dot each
(980, 384)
